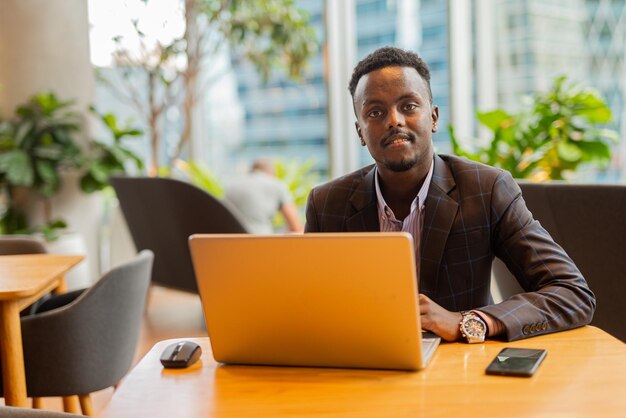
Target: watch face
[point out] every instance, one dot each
(474, 327)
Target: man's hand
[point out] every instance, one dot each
(436, 319)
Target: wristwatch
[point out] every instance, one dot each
(473, 328)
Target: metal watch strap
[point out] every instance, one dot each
(471, 339)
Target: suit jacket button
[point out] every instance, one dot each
(526, 329)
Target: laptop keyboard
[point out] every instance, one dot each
(430, 342)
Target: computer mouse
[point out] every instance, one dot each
(180, 355)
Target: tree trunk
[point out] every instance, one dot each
(153, 122)
(190, 75)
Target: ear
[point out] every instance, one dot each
(435, 118)
(358, 131)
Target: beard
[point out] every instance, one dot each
(401, 166)
(405, 164)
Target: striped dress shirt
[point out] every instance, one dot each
(413, 222)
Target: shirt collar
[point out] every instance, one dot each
(420, 198)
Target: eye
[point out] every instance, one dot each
(410, 106)
(374, 114)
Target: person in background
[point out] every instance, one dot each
(460, 214)
(258, 196)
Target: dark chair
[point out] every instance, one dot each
(18, 245)
(88, 344)
(161, 215)
(589, 222)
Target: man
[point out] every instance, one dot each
(258, 196)
(460, 214)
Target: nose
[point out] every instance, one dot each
(395, 118)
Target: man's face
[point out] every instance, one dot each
(395, 117)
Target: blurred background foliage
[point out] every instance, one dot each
(557, 132)
(269, 34)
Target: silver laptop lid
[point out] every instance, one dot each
(330, 300)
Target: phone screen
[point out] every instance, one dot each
(516, 362)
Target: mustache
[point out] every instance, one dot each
(397, 132)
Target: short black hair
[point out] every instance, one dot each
(389, 56)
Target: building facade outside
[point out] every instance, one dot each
(533, 42)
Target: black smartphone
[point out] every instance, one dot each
(516, 362)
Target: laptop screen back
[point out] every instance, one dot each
(330, 300)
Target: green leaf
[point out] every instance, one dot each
(46, 139)
(100, 172)
(50, 230)
(49, 189)
(458, 149)
(592, 107)
(568, 151)
(17, 167)
(495, 119)
(89, 184)
(57, 223)
(201, 176)
(110, 121)
(132, 132)
(595, 150)
(13, 222)
(23, 131)
(46, 171)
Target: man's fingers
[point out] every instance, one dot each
(424, 304)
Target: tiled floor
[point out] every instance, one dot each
(170, 314)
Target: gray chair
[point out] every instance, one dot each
(11, 412)
(88, 344)
(161, 215)
(589, 222)
(10, 245)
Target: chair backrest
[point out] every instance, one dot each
(161, 215)
(88, 344)
(589, 222)
(20, 245)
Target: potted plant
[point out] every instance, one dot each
(561, 130)
(39, 145)
(35, 148)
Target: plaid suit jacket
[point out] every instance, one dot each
(473, 212)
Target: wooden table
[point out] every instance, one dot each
(583, 375)
(23, 280)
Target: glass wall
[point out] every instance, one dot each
(538, 40)
(420, 26)
(532, 42)
(285, 119)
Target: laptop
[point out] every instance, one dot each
(346, 300)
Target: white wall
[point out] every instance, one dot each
(44, 45)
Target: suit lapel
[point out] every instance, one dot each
(363, 199)
(440, 211)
